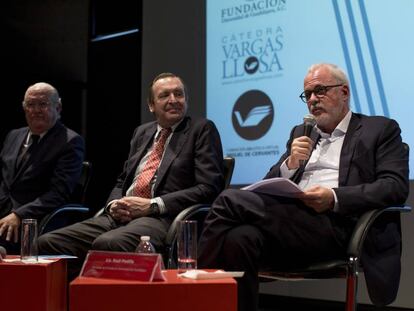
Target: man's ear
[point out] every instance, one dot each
(59, 107)
(151, 107)
(346, 90)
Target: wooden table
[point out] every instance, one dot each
(176, 293)
(33, 286)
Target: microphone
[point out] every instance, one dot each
(3, 253)
(309, 122)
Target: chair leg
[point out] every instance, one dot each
(352, 285)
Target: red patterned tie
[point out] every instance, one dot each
(143, 183)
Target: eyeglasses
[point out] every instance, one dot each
(319, 90)
(32, 106)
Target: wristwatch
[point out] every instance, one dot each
(154, 208)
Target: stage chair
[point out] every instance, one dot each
(345, 268)
(75, 210)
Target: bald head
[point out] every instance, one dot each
(42, 107)
(46, 89)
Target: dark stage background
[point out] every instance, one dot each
(90, 51)
(103, 82)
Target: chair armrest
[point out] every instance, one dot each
(364, 224)
(185, 214)
(47, 223)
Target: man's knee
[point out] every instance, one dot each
(240, 201)
(108, 242)
(228, 194)
(102, 242)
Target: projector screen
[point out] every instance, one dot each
(258, 52)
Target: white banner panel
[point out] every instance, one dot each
(258, 52)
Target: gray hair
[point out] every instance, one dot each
(335, 71)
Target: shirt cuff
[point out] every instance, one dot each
(106, 209)
(285, 171)
(336, 205)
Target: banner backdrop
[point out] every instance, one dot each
(258, 52)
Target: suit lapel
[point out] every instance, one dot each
(16, 150)
(173, 149)
(39, 152)
(146, 140)
(30, 155)
(348, 149)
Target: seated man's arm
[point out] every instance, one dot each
(196, 174)
(378, 174)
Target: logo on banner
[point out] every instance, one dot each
(251, 8)
(252, 54)
(252, 114)
(251, 65)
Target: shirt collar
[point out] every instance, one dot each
(29, 135)
(159, 128)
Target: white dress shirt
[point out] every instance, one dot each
(323, 166)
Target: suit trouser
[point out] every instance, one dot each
(101, 233)
(247, 231)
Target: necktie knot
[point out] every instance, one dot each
(34, 139)
(164, 134)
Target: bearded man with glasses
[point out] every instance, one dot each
(349, 164)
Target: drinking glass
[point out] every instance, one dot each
(28, 249)
(187, 245)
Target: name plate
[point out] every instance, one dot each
(124, 266)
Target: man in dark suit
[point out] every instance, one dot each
(144, 201)
(39, 164)
(351, 163)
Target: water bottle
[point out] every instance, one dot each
(145, 246)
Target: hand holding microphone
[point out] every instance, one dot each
(302, 146)
(309, 122)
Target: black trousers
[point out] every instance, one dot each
(101, 233)
(247, 231)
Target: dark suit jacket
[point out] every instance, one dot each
(373, 173)
(48, 177)
(191, 170)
